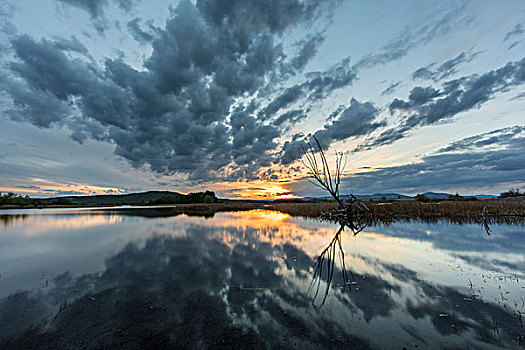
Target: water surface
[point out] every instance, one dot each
(145, 277)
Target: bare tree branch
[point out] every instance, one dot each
(320, 171)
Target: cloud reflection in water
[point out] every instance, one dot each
(241, 280)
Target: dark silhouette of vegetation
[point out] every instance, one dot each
(320, 170)
(198, 197)
(350, 212)
(512, 193)
(11, 198)
(422, 198)
(62, 201)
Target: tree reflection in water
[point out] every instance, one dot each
(350, 214)
(327, 258)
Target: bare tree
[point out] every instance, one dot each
(351, 212)
(320, 170)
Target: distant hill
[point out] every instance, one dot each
(437, 194)
(364, 196)
(391, 195)
(379, 195)
(110, 199)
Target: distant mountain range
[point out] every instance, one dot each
(391, 195)
(378, 195)
(153, 196)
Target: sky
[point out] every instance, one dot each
(120, 96)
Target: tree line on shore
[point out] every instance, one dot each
(13, 199)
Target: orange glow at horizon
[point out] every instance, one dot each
(43, 187)
(260, 189)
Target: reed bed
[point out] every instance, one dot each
(492, 211)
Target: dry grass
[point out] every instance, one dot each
(493, 211)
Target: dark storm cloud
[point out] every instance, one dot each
(41, 108)
(321, 84)
(446, 69)
(45, 67)
(308, 49)
(174, 116)
(291, 117)
(355, 120)
(250, 139)
(471, 165)
(417, 96)
(189, 111)
(427, 106)
(289, 96)
(317, 86)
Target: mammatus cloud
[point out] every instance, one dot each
(427, 105)
(176, 115)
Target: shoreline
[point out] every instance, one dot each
(490, 211)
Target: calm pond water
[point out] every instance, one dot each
(144, 278)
